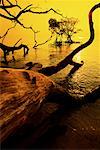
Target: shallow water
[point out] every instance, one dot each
(88, 76)
(77, 83)
(79, 128)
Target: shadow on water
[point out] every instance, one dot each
(76, 127)
(71, 123)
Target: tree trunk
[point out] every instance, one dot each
(21, 95)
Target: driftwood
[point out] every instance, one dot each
(7, 49)
(21, 95)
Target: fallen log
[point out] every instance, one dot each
(22, 92)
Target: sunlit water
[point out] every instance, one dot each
(85, 79)
(88, 76)
(80, 124)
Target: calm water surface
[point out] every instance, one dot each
(79, 128)
(85, 79)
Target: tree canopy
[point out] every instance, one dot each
(65, 27)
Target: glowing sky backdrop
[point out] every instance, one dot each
(70, 8)
(89, 73)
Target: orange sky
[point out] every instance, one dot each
(69, 8)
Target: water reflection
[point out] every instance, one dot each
(77, 81)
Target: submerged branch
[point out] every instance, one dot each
(6, 49)
(68, 60)
(10, 48)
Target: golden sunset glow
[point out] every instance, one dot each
(70, 8)
(50, 74)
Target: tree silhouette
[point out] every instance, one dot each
(69, 59)
(53, 23)
(6, 7)
(65, 27)
(55, 28)
(68, 28)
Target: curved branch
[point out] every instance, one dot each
(38, 44)
(7, 49)
(68, 60)
(5, 9)
(9, 6)
(25, 10)
(3, 37)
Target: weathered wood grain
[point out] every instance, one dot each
(21, 95)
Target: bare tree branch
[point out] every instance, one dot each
(35, 39)
(9, 2)
(15, 18)
(25, 10)
(3, 37)
(9, 6)
(36, 43)
(6, 17)
(2, 7)
(7, 49)
(68, 59)
(17, 42)
(7, 10)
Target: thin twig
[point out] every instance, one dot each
(9, 6)
(36, 45)
(17, 42)
(6, 9)
(25, 10)
(3, 37)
